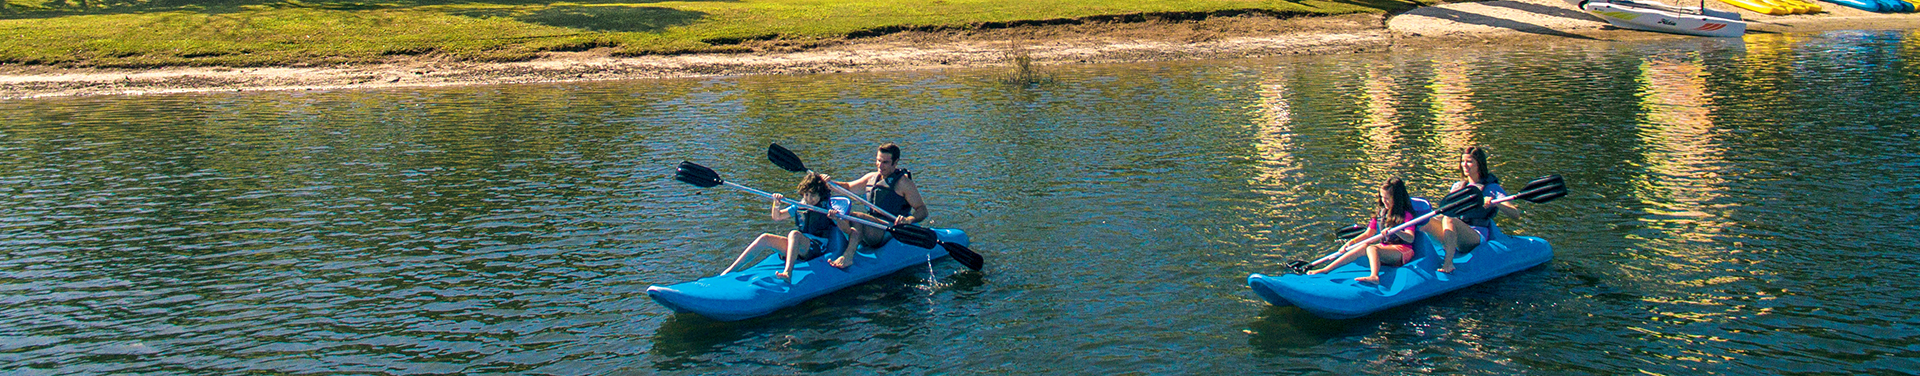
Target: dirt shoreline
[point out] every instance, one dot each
(1241, 36)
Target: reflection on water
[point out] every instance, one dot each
(1383, 123)
(1453, 106)
(1737, 205)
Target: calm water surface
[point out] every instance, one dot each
(1739, 206)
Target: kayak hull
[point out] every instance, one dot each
(755, 291)
(1336, 295)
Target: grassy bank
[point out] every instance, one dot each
(154, 33)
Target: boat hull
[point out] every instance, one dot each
(1335, 295)
(755, 291)
(1667, 19)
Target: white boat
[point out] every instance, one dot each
(1650, 16)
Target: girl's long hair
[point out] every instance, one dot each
(1395, 212)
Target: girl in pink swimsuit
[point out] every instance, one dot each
(1395, 249)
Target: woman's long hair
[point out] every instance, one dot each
(1394, 203)
(1479, 156)
(813, 189)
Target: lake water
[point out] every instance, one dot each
(1738, 206)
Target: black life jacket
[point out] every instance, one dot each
(812, 222)
(885, 198)
(1480, 216)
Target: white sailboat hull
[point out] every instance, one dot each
(1666, 18)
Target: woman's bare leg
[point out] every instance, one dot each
(1343, 260)
(1373, 260)
(1457, 232)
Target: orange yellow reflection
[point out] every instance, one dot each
(1382, 130)
(1452, 105)
(1276, 141)
(1683, 153)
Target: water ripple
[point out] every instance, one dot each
(1721, 188)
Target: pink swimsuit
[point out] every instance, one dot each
(1394, 242)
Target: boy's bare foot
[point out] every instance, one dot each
(1447, 267)
(1374, 279)
(843, 262)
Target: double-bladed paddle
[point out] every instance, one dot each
(1454, 202)
(914, 235)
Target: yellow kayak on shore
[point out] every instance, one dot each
(1759, 6)
(1796, 6)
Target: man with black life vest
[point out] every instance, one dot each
(889, 188)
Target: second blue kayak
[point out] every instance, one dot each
(755, 291)
(1336, 295)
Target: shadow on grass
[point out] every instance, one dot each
(608, 18)
(1391, 6)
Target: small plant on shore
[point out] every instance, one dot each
(1024, 74)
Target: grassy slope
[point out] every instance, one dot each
(146, 33)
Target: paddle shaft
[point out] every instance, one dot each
(1402, 226)
(793, 202)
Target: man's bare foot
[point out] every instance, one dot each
(1317, 271)
(843, 262)
(1374, 279)
(784, 275)
(1446, 268)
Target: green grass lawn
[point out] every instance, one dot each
(152, 33)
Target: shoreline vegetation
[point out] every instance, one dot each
(103, 47)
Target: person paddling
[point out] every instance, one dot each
(1396, 249)
(892, 192)
(1461, 234)
(814, 235)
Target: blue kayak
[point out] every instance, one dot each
(755, 291)
(1866, 5)
(1336, 295)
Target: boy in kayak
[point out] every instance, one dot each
(814, 233)
(890, 189)
(1395, 249)
(1461, 234)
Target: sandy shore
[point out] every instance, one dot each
(1221, 37)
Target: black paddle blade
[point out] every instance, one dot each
(1543, 181)
(699, 176)
(1459, 202)
(784, 158)
(915, 235)
(1346, 233)
(966, 257)
(1298, 266)
(1544, 189)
